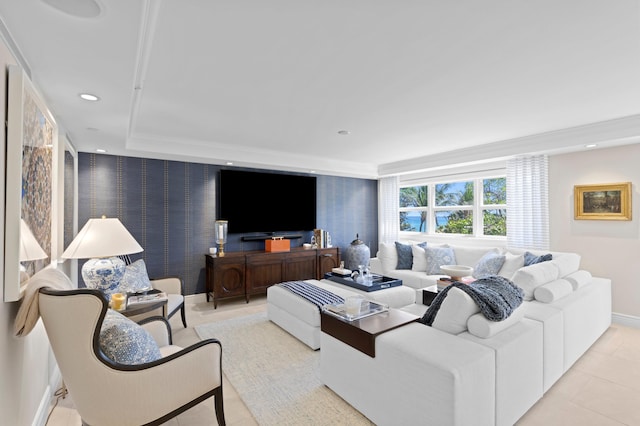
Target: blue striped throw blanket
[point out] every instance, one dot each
(497, 298)
(316, 295)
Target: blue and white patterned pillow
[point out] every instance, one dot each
(489, 264)
(438, 256)
(135, 278)
(125, 342)
(532, 259)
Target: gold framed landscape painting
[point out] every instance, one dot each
(610, 201)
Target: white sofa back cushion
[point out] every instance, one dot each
(567, 263)
(470, 256)
(419, 259)
(480, 326)
(550, 292)
(529, 278)
(455, 311)
(579, 279)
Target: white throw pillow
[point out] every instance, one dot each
(481, 327)
(419, 259)
(512, 262)
(388, 256)
(550, 292)
(529, 278)
(454, 312)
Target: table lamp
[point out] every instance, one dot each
(221, 235)
(29, 249)
(100, 240)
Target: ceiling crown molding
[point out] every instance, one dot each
(619, 131)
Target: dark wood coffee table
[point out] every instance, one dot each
(361, 334)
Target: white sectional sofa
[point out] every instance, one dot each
(486, 374)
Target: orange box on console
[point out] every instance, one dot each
(277, 244)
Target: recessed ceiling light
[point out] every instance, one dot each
(89, 97)
(312, 171)
(591, 145)
(101, 151)
(229, 163)
(343, 132)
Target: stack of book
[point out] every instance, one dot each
(322, 238)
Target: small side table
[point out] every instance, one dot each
(361, 334)
(143, 308)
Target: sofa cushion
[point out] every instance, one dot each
(125, 342)
(567, 263)
(528, 278)
(438, 256)
(512, 262)
(388, 256)
(405, 254)
(455, 311)
(480, 326)
(550, 292)
(579, 279)
(532, 259)
(470, 256)
(489, 264)
(419, 259)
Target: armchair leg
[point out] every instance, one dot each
(219, 407)
(183, 315)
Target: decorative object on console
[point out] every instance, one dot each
(277, 244)
(221, 234)
(357, 254)
(321, 239)
(602, 202)
(100, 241)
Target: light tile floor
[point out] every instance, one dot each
(601, 389)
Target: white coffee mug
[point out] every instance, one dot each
(213, 250)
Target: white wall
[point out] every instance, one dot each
(609, 248)
(26, 368)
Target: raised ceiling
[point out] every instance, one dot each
(270, 84)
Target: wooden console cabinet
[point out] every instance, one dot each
(246, 273)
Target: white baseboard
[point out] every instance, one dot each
(626, 320)
(45, 406)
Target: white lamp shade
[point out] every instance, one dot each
(29, 247)
(103, 237)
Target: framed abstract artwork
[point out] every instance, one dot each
(610, 201)
(32, 161)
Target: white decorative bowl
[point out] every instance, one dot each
(456, 271)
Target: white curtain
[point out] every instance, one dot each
(528, 201)
(388, 209)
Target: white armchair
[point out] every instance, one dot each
(174, 287)
(109, 393)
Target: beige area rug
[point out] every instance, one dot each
(276, 375)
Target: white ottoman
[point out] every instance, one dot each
(301, 318)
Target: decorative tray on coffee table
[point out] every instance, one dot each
(367, 309)
(379, 282)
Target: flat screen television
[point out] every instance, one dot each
(267, 202)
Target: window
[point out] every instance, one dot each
(471, 207)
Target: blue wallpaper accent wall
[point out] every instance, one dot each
(170, 207)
